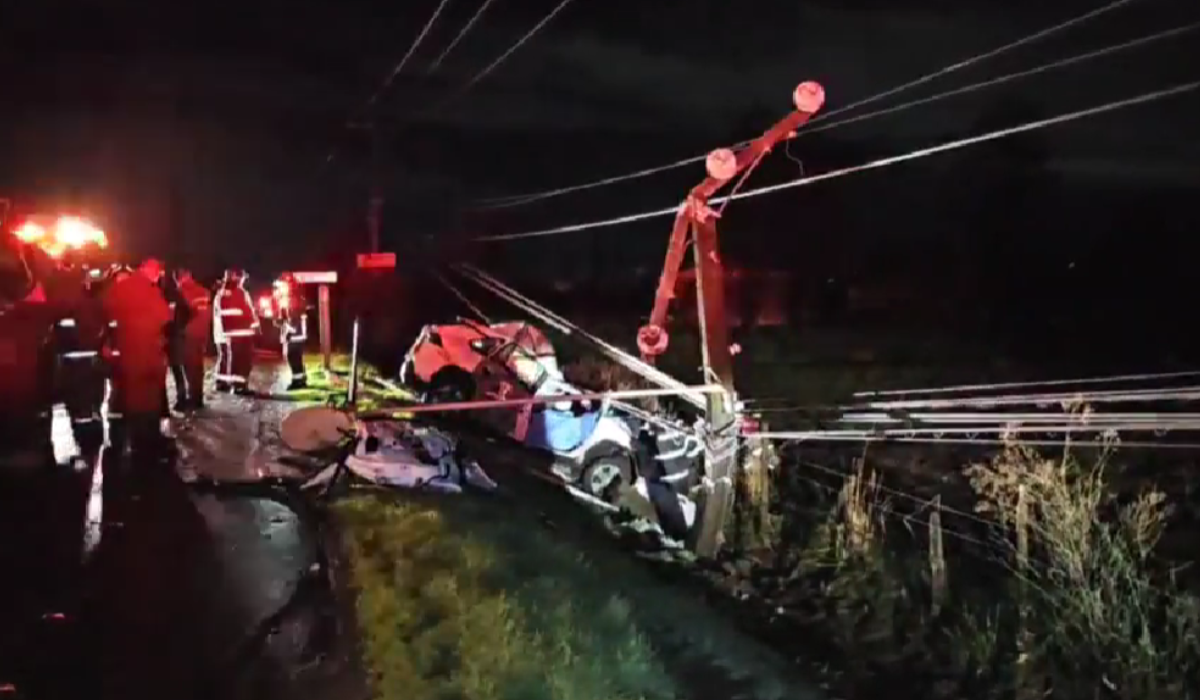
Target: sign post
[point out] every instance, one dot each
(324, 329)
(322, 280)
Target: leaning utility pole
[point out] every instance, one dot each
(697, 218)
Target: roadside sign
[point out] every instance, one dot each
(330, 277)
(324, 328)
(373, 261)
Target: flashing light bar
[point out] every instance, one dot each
(327, 277)
(66, 233)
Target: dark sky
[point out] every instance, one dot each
(189, 128)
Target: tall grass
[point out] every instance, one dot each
(1075, 604)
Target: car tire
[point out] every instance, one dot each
(450, 385)
(603, 476)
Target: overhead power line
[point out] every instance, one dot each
(1008, 77)
(873, 165)
(437, 62)
(387, 82)
(396, 70)
(491, 67)
(522, 199)
(962, 388)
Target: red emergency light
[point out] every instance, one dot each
(62, 234)
(265, 308)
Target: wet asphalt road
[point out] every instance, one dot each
(178, 580)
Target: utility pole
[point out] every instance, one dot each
(375, 198)
(375, 204)
(697, 220)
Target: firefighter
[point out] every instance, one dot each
(138, 316)
(293, 327)
(234, 326)
(194, 337)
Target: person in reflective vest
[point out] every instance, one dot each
(292, 311)
(234, 326)
(138, 316)
(196, 333)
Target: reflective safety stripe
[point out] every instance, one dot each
(66, 323)
(78, 354)
(235, 378)
(81, 421)
(240, 333)
(230, 312)
(297, 338)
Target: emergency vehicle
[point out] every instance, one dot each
(269, 322)
(45, 268)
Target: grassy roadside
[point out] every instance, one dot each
(331, 386)
(474, 597)
(456, 599)
(491, 597)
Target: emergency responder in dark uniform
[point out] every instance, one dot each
(234, 327)
(292, 311)
(138, 315)
(79, 374)
(181, 314)
(194, 337)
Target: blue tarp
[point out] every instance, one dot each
(560, 431)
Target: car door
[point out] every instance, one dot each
(495, 381)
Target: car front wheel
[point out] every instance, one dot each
(603, 477)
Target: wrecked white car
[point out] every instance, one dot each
(599, 447)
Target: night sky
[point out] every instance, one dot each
(203, 131)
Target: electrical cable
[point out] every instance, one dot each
(796, 437)
(520, 199)
(1184, 393)
(502, 58)
(437, 62)
(869, 166)
(463, 298)
(872, 165)
(912, 519)
(387, 82)
(1021, 385)
(1000, 80)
